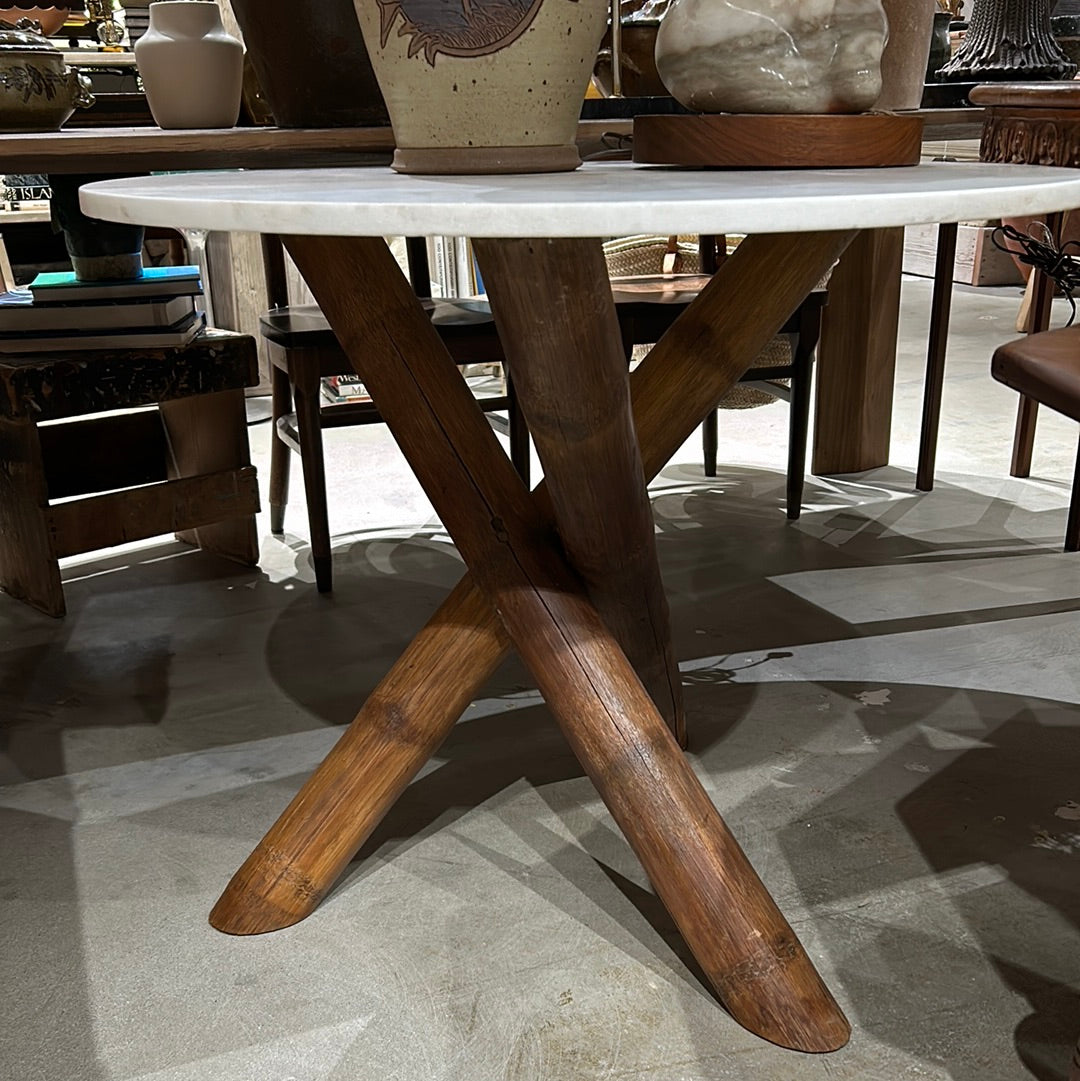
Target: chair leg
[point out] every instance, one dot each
(1072, 527)
(305, 371)
(520, 451)
(710, 441)
(28, 568)
(802, 375)
(940, 308)
(280, 454)
(1027, 411)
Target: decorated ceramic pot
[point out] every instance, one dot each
(37, 91)
(484, 86)
(772, 56)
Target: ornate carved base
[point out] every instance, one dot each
(1031, 124)
(1009, 40)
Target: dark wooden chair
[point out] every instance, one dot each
(648, 304)
(302, 349)
(1045, 368)
(180, 467)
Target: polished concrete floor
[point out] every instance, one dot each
(882, 701)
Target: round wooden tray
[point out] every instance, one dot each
(778, 141)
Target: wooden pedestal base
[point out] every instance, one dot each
(774, 141)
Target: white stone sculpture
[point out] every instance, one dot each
(772, 56)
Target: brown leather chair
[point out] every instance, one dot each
(1045, 368)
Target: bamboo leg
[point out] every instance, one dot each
(416, 705)
(552, 304)
(672, 390)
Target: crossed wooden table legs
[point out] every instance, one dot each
(566, 575)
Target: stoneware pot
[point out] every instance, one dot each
(772, 56)
(192, 70)
(312, 67)
(37, 91)
(903, 63)
(499, 91)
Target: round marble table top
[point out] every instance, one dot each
(600, 199)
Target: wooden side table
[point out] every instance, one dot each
(183, 468)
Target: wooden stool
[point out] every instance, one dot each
(182, 468)
(1045, 367)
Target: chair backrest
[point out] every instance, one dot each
(277, 282)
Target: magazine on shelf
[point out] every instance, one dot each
(171, 337)
(344, 388)
(20, 314)
(159, 281)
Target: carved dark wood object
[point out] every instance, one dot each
(1008, 40)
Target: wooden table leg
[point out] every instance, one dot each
(561, 337)
(725, 914)
(857, 356)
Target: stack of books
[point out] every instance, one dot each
(344, 388)
(58, 312)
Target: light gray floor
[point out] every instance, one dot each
(882, 702)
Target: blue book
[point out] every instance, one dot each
(158, 281)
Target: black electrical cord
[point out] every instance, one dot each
(1045, 255)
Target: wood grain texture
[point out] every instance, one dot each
(1042, 95)
(553, 307)
(751, 957)
(236, 279)
(857, 356)
(207, 433)
(144, 149)
(147, 149)
(687, 372)
(101, 521)
(28, 567)
(52, 386)
(746, 141)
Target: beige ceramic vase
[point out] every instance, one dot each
(903, 64)
(191, 69)
(484, 86)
